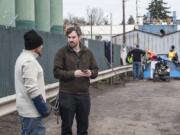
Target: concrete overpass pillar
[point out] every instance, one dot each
(7, 12)
(25, 12)
(56, 13)
(42, 15)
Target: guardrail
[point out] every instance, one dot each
(8, 104)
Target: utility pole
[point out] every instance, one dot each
(111, 45)
(111, 40)
(123, 50)
(137, 22)
(91, 26)
(124, 28)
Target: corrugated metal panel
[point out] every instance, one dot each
(97, 48)
(116, 55)
(12, 43)
(151, 41)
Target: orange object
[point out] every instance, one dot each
(151, 55)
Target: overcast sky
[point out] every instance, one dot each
(78, 7)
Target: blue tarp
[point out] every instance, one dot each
(174, 68)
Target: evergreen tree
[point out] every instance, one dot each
(158, 10)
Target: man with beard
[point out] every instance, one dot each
(74, 65)
(30, 87)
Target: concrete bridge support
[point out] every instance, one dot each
(7, 12)
(56, 13)
(42, 15)
(25, 14)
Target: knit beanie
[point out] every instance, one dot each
(32, 40)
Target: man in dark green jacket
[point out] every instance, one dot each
(74, 65)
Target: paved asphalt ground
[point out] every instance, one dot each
(138, 108)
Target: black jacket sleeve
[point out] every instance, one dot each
(93, 67)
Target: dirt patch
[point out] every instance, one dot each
(137, 108)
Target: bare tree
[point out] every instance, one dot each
(95, 16)
(105, 21)
(74, 20)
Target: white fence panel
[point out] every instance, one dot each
(150, 41)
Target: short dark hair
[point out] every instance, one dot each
(137, 46)
(74, 28)
(172, 47)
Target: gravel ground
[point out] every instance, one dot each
(138, 108)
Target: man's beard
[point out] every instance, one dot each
(39, 53)
(72, 44)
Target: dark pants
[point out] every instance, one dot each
(77, 106)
